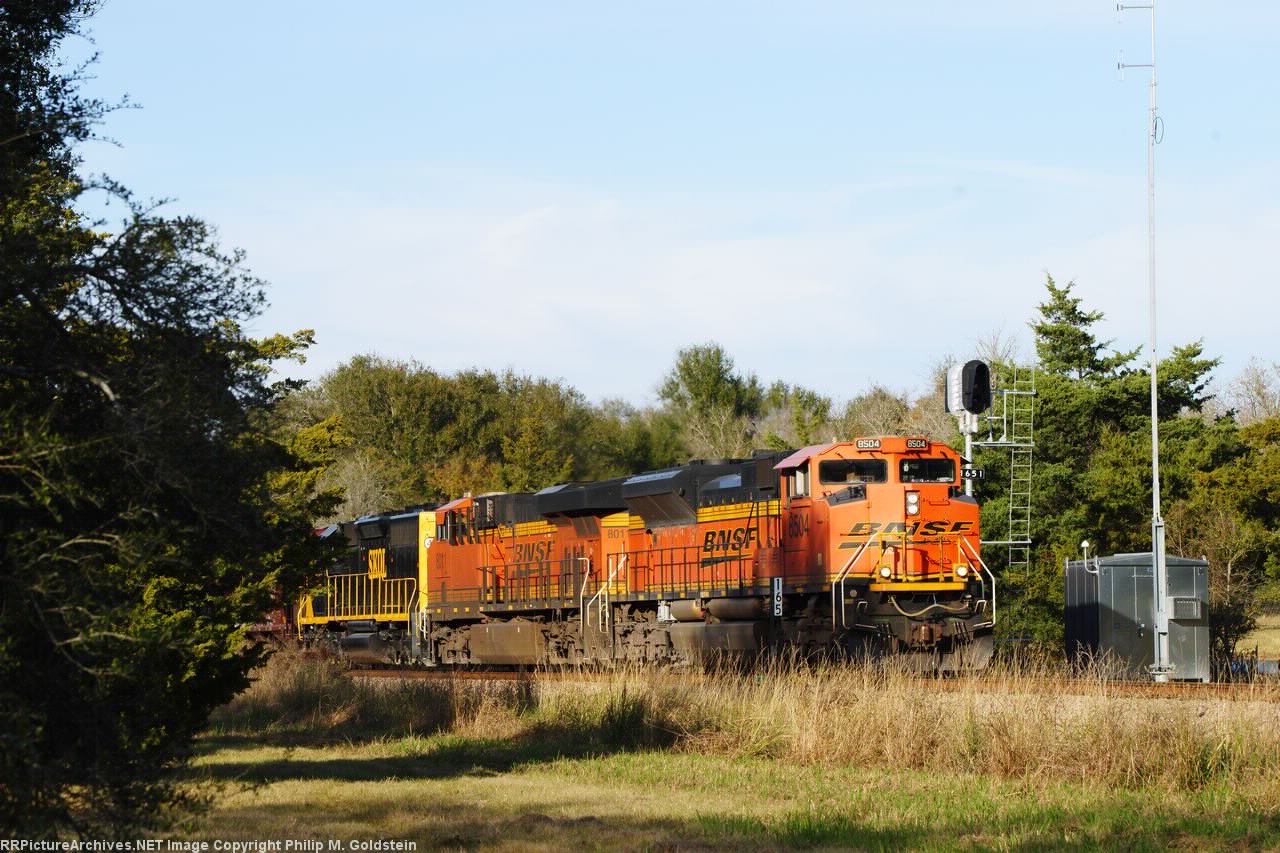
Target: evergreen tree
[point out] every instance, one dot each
(1092, 472)
(147, 510)
(1065, 342)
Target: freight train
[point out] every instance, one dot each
(862, 548)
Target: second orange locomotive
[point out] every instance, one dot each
(866, 547)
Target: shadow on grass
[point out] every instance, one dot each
(454, 822)
(443, 756)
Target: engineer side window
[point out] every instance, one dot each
(842, 471)
(800, 483)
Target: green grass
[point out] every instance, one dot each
(1266, 637)
(472, 793)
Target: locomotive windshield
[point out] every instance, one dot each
(928, 471)
(841, 471)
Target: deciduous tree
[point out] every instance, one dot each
(715, 405)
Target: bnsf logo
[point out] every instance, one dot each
(867, 444)
(728, 540)
(532, 552)
(932, 528)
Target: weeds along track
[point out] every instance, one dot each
(1268, 691)
(1042, 726)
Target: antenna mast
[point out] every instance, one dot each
(1161, 669)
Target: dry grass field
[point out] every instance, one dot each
(817, 757)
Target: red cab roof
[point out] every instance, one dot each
(795, 460)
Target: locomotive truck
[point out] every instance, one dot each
(863, 548)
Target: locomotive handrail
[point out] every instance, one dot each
(678, 568)
(487, 588)
(971, 553)
(354, 595)
(527, 581)
(582, 594)
(838, 583)
(602, 595)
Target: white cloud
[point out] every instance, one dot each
(602, 290)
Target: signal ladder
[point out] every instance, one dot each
(1017, 433)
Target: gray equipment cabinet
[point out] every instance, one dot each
(1110, 612)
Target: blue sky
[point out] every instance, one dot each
(840, 193)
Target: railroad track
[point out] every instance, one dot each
(465, 675)
(1231, 691)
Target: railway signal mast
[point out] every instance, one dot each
(1161, 669)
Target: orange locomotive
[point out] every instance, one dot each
(866, 547)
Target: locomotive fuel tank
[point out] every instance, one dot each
(366, 648)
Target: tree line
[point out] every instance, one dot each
(403, 434)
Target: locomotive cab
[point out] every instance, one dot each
(885, 523)
(899, 496)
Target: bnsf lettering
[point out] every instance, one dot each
(728, 540)
(532, 552)
(931, 528)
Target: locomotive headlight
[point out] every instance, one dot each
(913, 503)
(962, 571)
(886, 572)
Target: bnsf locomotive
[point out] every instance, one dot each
(868, 547)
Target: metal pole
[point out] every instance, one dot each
(1162, 667)
(968, 455)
